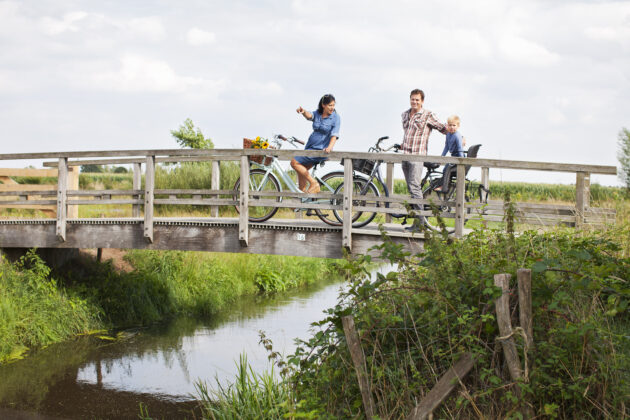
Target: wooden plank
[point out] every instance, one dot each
(347, 205)
(358, 359)
(443, 388)
(335, 156)
(28, 172)
(460, 198)
(105, 202)
(149, 186)
(243, 222)
(136, 185)
(208, 192)
(62, 209)
(98, 193)
(215, 184)
(205, 202)
(389, 183)
(39, 206)
(28, 188)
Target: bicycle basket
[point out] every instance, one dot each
(247, 144)
(363, 165)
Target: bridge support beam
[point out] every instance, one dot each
(137, 184)
(149, 189)
(346, 236)
(243, 220)
(582, 196)
(460, 201)
(62, 198)
(215, 184)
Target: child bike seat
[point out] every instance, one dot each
(431, 165)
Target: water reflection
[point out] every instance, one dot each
(159, 365)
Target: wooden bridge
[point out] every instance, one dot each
(227, 231)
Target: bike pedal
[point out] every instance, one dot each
(311, 212)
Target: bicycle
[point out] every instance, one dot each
(267, 175)
(430, 183)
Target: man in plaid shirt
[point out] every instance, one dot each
(417, 124)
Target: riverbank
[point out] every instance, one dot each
(39, 306)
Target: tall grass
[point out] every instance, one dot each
(35, 311)
(252, 396)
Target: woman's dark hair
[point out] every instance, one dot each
(326, 99)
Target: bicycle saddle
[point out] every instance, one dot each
(431, 165)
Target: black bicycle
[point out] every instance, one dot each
(365, 189)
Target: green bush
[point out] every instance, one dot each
(416, 322)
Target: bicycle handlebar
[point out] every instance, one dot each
(290, 140)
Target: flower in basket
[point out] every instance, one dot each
(260, 143)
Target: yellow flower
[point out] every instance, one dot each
(265, 144)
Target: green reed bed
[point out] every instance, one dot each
(35, 311)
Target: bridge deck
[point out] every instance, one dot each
(307, 238)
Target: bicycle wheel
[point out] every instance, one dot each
(329, 183)
(437, 196)
(260, 180)
(363, 194)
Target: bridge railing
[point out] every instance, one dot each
(143, 197)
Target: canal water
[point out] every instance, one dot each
(92, 377)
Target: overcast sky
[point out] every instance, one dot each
(531, 80)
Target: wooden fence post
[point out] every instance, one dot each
(389, 181)
(524, 278)
(505, 326)
(346, 240)
(62, 198)
(582, 196)
(215, 184)
(137, 184)
(460, 201)
(358, 359)
(149, 188)
(243, 221)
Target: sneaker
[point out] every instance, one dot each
(413, 229)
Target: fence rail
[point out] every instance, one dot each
(143, 198)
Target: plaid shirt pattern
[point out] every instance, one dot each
(418, 129)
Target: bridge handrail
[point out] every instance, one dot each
(179, 155)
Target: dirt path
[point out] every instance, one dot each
(113, 254)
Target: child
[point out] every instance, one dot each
(455, 145)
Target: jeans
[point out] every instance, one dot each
(413, 176)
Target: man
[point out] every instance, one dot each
(417, 124)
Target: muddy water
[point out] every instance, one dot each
(92, 377)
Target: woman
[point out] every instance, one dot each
(326, 124)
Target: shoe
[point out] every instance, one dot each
(413, 229)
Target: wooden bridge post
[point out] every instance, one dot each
(485, 177)
(215, 184)
(149, 188)
(346, 235)
(243, 226)
(62, 198)
(582, 196)
(73, 184)
(137, 184)
(460, 201)
(389, 181)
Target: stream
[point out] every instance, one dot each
(158, 366)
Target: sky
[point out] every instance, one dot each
(544, 80)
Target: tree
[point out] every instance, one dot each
(92, 168)
(624, 157)
(189, 136)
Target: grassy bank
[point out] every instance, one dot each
(38, 307)
(415, 323)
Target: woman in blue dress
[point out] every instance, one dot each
(326, 124)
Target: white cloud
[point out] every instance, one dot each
(141, 74)
(53, 26)
(523, 51)
(197, 37)
(148, 27)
